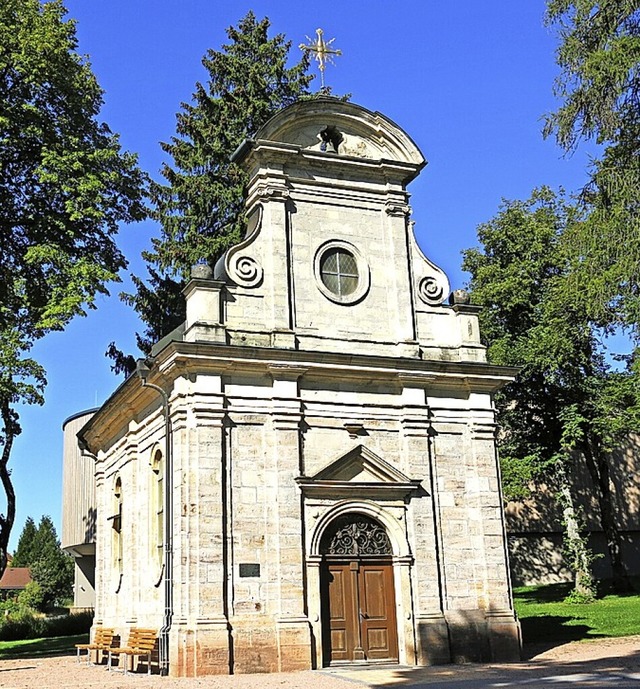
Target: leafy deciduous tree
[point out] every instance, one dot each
(566, 398)
(199, 207)
(65, 185)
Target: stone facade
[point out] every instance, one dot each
(319, 381)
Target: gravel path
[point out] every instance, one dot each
(598, 663)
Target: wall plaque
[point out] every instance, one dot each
(249, 569)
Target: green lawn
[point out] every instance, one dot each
(32, 648)
(544, 615)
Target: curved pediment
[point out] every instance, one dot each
(346, 129)
(358, 473)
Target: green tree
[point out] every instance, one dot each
(199, 204)
(65, 185)
(24, 552)
(31, 598)
(599, 86)
(51, 568)
(566, 398)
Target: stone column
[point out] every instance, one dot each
(314, 605)
(101, 607)
(476, 580)
(457, 517)
(273, 194)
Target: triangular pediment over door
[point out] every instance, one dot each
(360, 473)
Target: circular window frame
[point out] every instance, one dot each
(364, 277)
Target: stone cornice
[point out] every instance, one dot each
(473, 375)
(348, 489)
(178, 358)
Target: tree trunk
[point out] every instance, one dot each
(575, 544)
(10, 429)
(598, 465)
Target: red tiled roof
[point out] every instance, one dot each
(15, 578)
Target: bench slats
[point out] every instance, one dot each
(102, 640)
(141, 643)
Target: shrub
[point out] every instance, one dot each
(26, 624)
(22, 624)
(68, 625)
(32, 597)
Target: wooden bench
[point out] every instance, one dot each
(102, 640)
(141, 642)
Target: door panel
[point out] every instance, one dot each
(341, 616)
(377, 640)
(337, 602)
(360, 612)
(373, 592)
(377, 605)
(338, 642)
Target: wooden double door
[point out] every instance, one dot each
(359, 619)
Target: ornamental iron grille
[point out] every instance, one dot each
(355, 534)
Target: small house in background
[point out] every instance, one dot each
(13, 581)
(79, 511)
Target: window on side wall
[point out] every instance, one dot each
(156, 516)
(116, 526)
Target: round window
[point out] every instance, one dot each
(339, 272)
(342, 273)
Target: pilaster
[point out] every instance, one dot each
(292, 624)
(397, 212)
(273, 195)
(200, 638)
(428, 623)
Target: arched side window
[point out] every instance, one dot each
(156, 507)
(116, 526)
(355, 534)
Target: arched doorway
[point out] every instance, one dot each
(357, 592)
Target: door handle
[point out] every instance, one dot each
(363, 615)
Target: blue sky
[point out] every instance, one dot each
(469, 81)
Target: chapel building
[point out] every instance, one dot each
(305, 473)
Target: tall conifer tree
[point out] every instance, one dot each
(50, 566)
(23, 556)
(599, 88)
(200, 202)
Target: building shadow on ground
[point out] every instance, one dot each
(44, 648)
(621, 671)
(550, 631)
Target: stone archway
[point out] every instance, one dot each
(357, 591)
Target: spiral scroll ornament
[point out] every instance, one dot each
(245, 271)
(430, 290)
